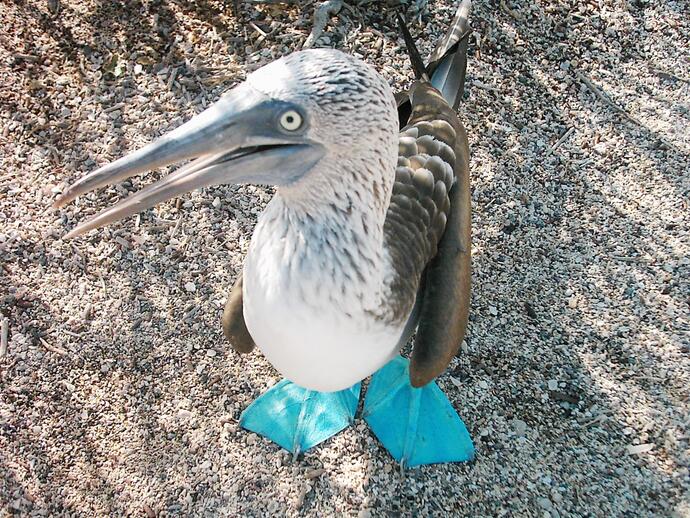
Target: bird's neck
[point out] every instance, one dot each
(326, 236)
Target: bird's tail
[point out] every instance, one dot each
(448, 62)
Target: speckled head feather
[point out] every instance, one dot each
(350, 109)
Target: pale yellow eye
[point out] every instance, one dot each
(291, 120)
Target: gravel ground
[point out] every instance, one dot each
(118, 393)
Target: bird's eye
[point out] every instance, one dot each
(291, 120)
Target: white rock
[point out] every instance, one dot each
(636, 449)
(520, 427)
(183, 414)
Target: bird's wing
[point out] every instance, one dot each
(427, 227)
(427, 230)
(234, 327)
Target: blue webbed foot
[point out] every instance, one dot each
(416, 425)
(297, 418)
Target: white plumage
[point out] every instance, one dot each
(317, 273)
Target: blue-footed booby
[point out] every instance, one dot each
(366, 240)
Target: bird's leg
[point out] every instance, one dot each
(297, 418)
(322, 14)
(416, 425)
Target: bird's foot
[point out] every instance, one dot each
(416, 425)
(297, 418)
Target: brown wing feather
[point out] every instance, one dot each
(234, 327)
(428, 230)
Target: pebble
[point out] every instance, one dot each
(545, 503)
(184, 414)
(637, 449)
(464, 348)
(190, 287)
(553, 385)
(520, 427)
(315, 473)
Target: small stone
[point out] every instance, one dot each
(184, 414)
(464, 347)
(211, 353)
(520, 427)
(216, 202)
(545, 503)
(636, 449)
(190, 287)
(553, 385)
(483, 385)
(601, 148)
(493, 311)
(315, 473)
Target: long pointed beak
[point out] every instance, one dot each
(234, 141)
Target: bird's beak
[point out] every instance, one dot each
(237, 140)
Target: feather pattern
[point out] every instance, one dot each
(346, 262)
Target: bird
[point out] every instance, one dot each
(366, 240)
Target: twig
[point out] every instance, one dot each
(52, 348)
(321, 16)
(4, 335)
(666, 74)
(561, 140)
(598, 419)
(258, 29)
(26, 57)
(612, 104)
(625, 259)
(602, 95)
(105, 290)
(177, 225)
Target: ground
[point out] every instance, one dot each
(118, 392)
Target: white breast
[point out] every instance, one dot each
(312, 320)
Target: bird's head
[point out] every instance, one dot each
(275, 128)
